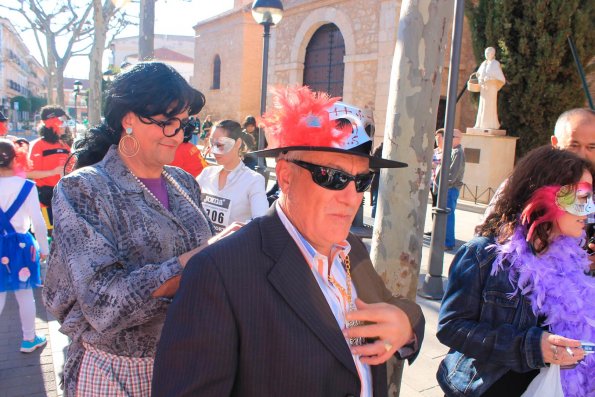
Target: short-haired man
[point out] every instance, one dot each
(290, 305)
(575, 131)
(455, 175)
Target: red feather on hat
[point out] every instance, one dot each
(299, 117)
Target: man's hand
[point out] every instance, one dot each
(386, 323)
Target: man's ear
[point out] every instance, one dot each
(554, 141)
(283, 171)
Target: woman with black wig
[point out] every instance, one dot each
(126, 224)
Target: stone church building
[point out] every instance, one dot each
(344, 47)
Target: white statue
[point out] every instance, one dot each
(491, 79)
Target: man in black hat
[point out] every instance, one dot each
(290, 305)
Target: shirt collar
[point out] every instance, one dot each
(313, 257)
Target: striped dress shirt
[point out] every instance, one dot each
(322, 269)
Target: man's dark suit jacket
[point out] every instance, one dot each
(250, 320)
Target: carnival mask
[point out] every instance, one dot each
(222, 145)
(577, 201)
(55, 123)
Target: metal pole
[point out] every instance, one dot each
(76, 93)
(263, 92)
(581, 72)
(432, 285)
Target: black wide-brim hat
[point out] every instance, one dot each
(303, 120)
(361, 151)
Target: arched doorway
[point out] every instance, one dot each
(323, 66)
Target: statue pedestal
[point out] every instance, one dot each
(485, 131)
(489, 160)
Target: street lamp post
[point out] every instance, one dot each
(77, 89)
(266, 13)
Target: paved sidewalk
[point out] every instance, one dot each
(420, 378)
(37, 373)
(23, 374)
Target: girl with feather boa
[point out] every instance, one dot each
(518, 298)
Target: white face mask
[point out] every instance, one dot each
(577, 202)
(222, 145)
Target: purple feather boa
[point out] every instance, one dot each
(559, 290)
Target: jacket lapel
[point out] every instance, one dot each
(292, 277)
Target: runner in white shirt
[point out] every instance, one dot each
(231, 191)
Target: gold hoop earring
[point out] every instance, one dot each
(128, 145)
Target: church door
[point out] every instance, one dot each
(323, 66)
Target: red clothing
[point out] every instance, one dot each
(47, 156)
(189, 159)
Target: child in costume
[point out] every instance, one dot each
(19, 251)
(517, 297)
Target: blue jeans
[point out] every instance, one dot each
(451, 203)
(194, 139)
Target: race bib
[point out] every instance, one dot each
(218, 209)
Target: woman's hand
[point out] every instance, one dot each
(234, 227)
(185, 257)
(559, 350)
(170, 287)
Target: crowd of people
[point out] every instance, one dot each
(173, 277)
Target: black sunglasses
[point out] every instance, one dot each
(333, 179)
(166, 123)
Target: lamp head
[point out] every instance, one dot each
(267, 11)
(77, 86)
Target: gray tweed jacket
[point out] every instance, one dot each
(113, 246)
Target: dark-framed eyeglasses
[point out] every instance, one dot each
(333, 179)
(173, 122)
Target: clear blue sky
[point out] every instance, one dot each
(171, 17)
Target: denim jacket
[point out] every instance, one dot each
(489, 332)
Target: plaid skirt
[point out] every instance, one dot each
(108, 375)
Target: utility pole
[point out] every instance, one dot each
(146, 37)
(414, 94)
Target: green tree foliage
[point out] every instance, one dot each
(24, 104)
(530, 37)
(37, 103)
